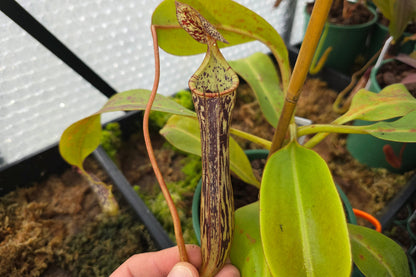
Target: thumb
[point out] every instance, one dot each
(183, 269)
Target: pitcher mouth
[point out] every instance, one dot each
(214, 77)
(213, 94)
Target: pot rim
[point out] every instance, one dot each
(349, 27)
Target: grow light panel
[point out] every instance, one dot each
(40, 95)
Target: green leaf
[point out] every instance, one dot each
(240, 165)
(235, 22)
(302, 222)
(83, 136)
(77, 142)
(80, 139)
(259, 72)
(404, 11)
(134, 100)
(385, 7)
(393, 101)
(375, 254)
(401, 130)
(246, 250)
(183, 133)
(398, 12)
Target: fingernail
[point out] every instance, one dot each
(180, 271)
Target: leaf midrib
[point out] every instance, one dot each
(363, 109)
(302, 219)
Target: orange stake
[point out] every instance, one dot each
(369, 218)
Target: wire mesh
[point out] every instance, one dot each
(403, 231)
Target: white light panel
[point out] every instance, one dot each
(40, 95)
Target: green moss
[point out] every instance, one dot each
(111, 139)
(104, 245)
(182, 193)
(159, 119)
(184, 98)
(28, 241)
(41, 232)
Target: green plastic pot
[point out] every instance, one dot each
(347, 42)
(368, 150)
(252, 155)
(380, 34)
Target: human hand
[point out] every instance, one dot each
(166, 263)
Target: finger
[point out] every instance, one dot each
(155, 264)
(228, 271)
(183, 269)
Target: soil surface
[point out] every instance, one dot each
(55, 228)
(395, 72)
(351, 14)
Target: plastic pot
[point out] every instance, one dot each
(347, 42)
(374, 152)
(379, 35)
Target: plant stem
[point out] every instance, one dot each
(328, 128)
(306, 53)
(258, 140)
(352, 86)
(174, 213)
(315, 140)
(345, 9)
(320, 136)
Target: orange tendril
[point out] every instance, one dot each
(159, 176)
(369, 218)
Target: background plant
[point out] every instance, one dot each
(399, 13)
